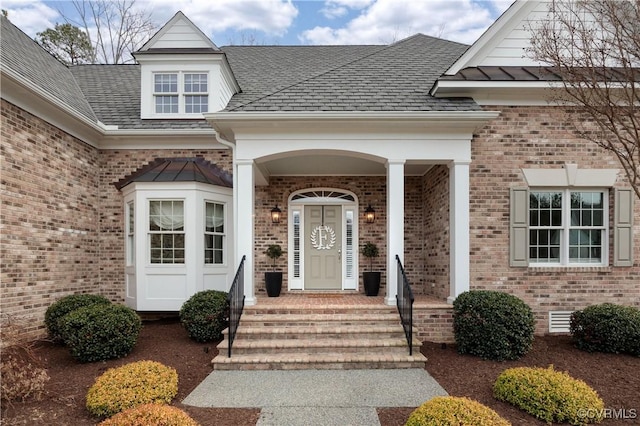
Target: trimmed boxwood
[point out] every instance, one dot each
(151, 414)
(607, 328)
(552, 396)
(492, 325)
(205, 315)
(100, 332)
(454, 411)
(67, 304)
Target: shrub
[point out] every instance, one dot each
(23, 375)
(607, 328)
(454, 411)
(549, 395)
(100, 332)
(205, 315)
(151, 414)
(131, 385)
(492, 325)
(65, 305)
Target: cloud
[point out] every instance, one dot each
(385, 21)
(272, 17)
(31, 16)
(338, 8)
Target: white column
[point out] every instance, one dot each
(459, 226)
(395, 225)
(245, 205)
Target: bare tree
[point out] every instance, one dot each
(115, 27)
(594, 46)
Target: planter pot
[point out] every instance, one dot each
(273, 280)
(371, 283)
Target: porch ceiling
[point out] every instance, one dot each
(330, 165)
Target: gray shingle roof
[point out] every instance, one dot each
(22, 56)
(397, 77)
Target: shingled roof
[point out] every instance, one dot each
(395, 77)
(23, 57)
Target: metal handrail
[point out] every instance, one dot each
(236, 303)
(404, 302)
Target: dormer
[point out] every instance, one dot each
(183, 73)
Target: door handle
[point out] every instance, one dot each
(339, 254)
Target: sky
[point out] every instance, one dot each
(290, 22)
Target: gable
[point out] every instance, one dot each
(505, 43)
(179, 33)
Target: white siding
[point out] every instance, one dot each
(180, 35)
(511, 50)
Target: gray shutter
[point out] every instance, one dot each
(623, 227)
(519, 229)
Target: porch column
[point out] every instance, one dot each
(245, 196)
(459, 226)
(395, 225)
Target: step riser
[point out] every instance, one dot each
(287, 334)
(321, 366)
(320, 311)
(311, 323)
(323, 351)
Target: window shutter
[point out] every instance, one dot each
(519, 229)
(623, 227)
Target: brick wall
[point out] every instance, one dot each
(369, 190)
(115, 165)
(50, 237)
(537, 137)
(435, 185)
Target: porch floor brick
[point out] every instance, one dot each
(319, 331)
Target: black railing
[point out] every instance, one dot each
(236, 303)
(404, 301)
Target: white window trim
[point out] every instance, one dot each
(149, 232)
(223, 234)
(181, 93)
(566, 227)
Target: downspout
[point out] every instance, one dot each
(232, 146)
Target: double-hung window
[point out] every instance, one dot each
(181, 92)
(568, 227)
(166, 231)
(214, 234)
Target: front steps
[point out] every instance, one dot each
(331, 336)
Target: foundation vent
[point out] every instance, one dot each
(559, 321)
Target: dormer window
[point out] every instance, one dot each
(181, 93)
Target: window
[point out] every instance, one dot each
(176, 93)
(214, 236)
(568, 227)
(130, 234)
(166, 231)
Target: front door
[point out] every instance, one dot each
(323, 247)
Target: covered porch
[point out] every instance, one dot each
(371, 159)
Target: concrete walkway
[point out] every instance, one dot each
(316, 397)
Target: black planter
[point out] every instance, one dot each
(371, 283)
(273, 280)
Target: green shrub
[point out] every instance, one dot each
(607, 328)
(205, 315)
(131, 385)
(67, 304)
(151, 414)
(492, 325)
(100, 332)
(549, 395)
(454, 411)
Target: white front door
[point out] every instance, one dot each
(323, 247)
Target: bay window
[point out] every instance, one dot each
(166, 231)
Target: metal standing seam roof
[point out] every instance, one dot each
(178, 170)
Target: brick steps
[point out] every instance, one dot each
(319, 337)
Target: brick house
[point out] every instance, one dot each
(149, 182)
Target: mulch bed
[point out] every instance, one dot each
(615, 377)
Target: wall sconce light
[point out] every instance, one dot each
(275, 214)
(370, 214)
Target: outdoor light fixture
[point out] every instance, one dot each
(275, 214)
(370, 214)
